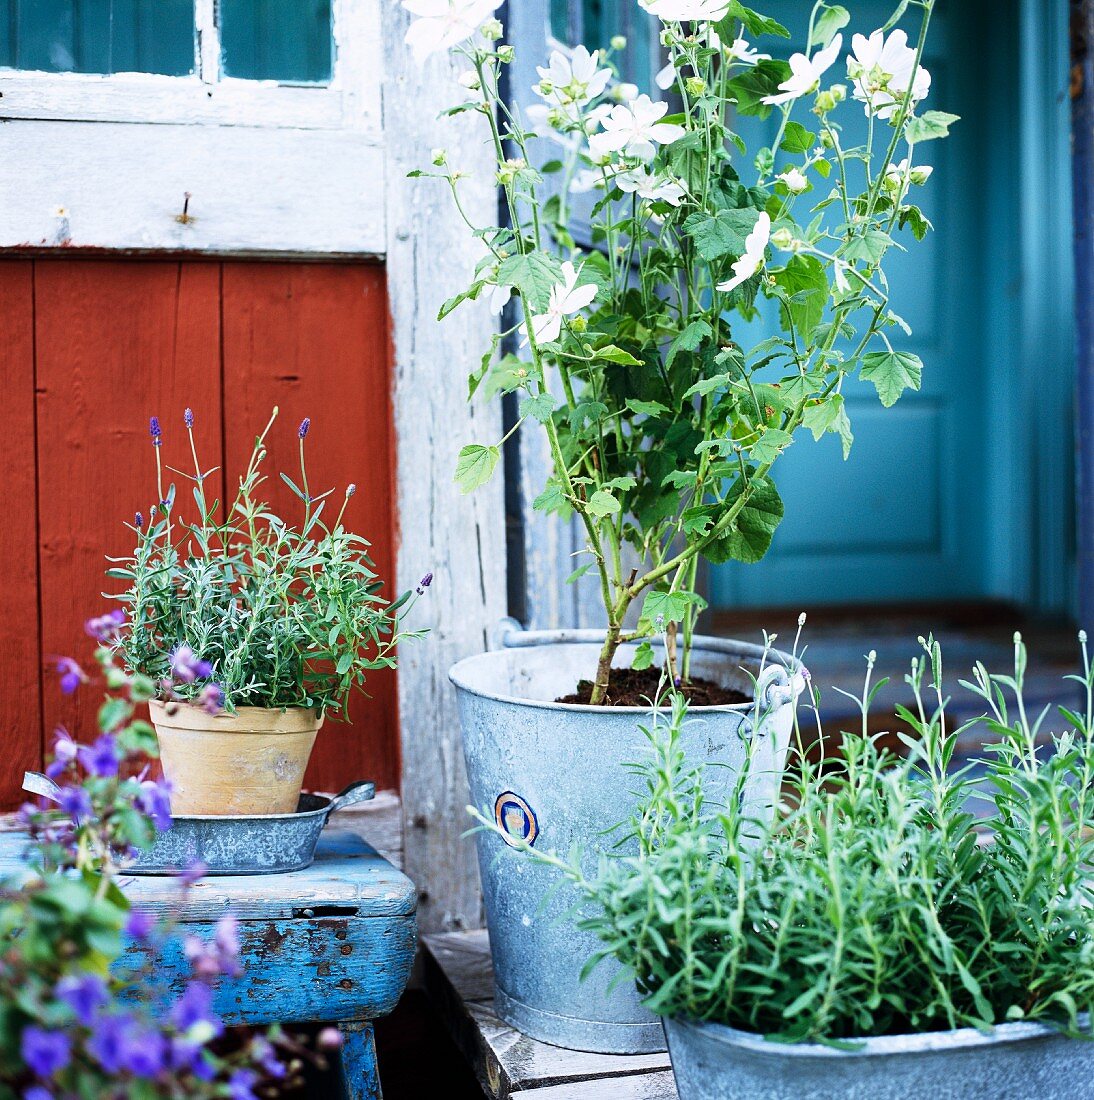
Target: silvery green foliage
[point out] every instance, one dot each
(663, 424)
(877, 903)
(284, 615)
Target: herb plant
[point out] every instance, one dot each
(80, 1016)
(274, 615)
(875, 903)
(663, 427)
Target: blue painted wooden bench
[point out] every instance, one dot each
(333, 943)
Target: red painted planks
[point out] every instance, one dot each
(117, 342)
(313, 340)
(20, 724)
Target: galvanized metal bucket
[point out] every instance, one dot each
(240, 844)
(554, 774)
(1017, 1061)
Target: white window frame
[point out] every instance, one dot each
(349, 100)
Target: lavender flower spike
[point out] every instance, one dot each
(138, 520)
(154, 431)
(424, 583)
(188, 417)
(186, 666)
(305, 425)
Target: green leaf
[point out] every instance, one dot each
(647, 408)
(832, 19)
(750, 88)
(770, 445)
(750, 536)
(533, 275)
(475, 466)
(470, 294)
(690, 339)
(722, 233)
(913, 216)
(552, 499)
(617, 355)
(344, 663)
(709, 385)
(540, 406)
(797, 139)
(579, 572)
(602, 503)
(755, 23)
(869, 246)
(673, 606)
(830, 415)
(806, 285)
(643, 657)
(892, 372)
(929, 125)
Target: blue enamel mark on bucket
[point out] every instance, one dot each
(516, 819)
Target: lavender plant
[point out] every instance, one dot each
(239, 607)
(662, 426)
(78, 1017)
(875, 903)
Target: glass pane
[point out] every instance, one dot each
(285, 40)
(98, 36)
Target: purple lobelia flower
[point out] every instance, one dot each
(107, 1044)
(85, 994)
(266, 1056)
(193, 1013)
(208, 960)
(140, 924)
(101, 757)
(37, 1092)
(191, 874)
(305, 426)
(330, 1038)
(64, 752)
(72, 676)
(104, 628)
(241, 1085)
(187, 666)
(44, 1052)
(211, 698)
(144, 1052)
(188, 417)
(154, 431)
(154, 799)
(75, 802)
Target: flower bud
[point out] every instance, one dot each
(920, 174)
(694, 86)
(470, 80)
(491, 30)
(827, 140)
(839, 92)
(794, 180)
(782, 239)
(619, 42)
(826, 102)
(440, 157)
(578, 324)
(506, 55)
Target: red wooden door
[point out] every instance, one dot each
(92, 349)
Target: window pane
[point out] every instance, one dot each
(98, 36)
(285, 40)
(594, 22)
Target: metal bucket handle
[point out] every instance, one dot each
(42, 785)
(361, 791)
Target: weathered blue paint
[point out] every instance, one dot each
(332, 943)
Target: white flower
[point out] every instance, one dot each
(896, 174)
(442, 24)
(571, 82)
(499, 297)
(805, 72)
(666, 77)
(632, 129)
(646, 185)
(882, 69)
(625, 93)
(586, 180)
(566, 298)
(686, 11)
(469, 80)
(742, 51)
(753, 259)
(842, 285)
(795, 180)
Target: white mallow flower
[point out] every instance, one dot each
(753, 259)
(646, 185)
(806, 72)
(918, 174)
(666, 77)
(566, 298)
(572, 80)
(686, 11)
(586, 180)
(882, 69)
(441, 24)
(499, 298)
(633, 129)
(742, 51)
(794, 179)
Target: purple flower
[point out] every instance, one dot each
(350, 490)
(84, 994)
(330, 1038)
(139, 520)
(194, 1009)
(154, 799)
(104, 628)
(191, 874)
(107, 1044)
(305, 425)
(64, 752)
(211, 698)
(45, 1052)
(424, 583)
(239, 1085)
(36, 1092)
(154, 431)
(265, 1055)
(75, 802)
(101, 757)
(140, 924)
(144, 1052)
(72, 676)
(188, 1054)
(188, 417)
(186, 666)
(208, 960)
(226, 938)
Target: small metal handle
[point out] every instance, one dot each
(39, 784)
(361, 791)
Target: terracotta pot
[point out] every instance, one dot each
(250, 762)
